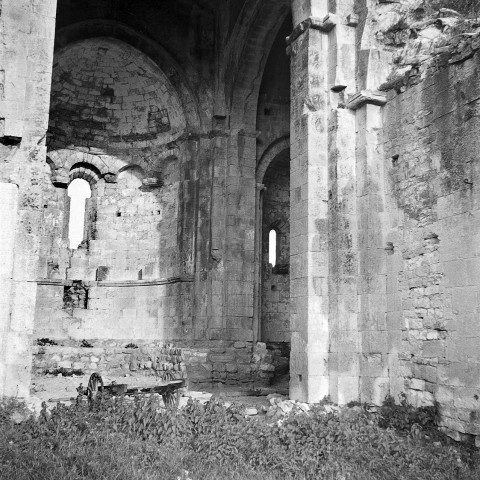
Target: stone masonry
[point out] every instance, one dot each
(350, 128)
(203, 364)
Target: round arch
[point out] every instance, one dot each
(86, 172)
(62, 162)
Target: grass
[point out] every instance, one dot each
(141, 440)
(105, 456)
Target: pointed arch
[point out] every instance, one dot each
(254, 34)
(272, 151)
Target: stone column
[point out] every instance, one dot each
(343, 262)
(229, 304)
(374, 381)
(26, 58)
(240, 235)
(257, 294)
(8, 339)
(309, 198)
(376, 366)
(210, 248)
(372, 298)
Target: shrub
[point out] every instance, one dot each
(404, 417)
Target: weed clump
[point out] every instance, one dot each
(404, 417)
(468, 8)
(66, 372)
(42, 342)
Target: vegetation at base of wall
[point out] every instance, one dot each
(139, 439)
(131, 345)
(65, 372)
(404, 417)
(465, 7)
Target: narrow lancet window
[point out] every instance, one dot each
(272, 247)
(78, 191)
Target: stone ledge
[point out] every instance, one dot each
(324, 25)
(119, 283)
(55, 282)
(365, 97)
(146, 283)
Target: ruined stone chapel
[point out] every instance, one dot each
(269, 185)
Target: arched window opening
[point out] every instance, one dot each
(272, 247)
(78, 191)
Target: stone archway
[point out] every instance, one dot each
(272, 289)
(275, 277)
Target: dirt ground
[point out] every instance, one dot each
(52, 389)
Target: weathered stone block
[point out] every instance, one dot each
(219, 367)
(133, 366)
(242, 358)
(373, 389)
(415, 384)
(373, 365)
(267, 368)
(222, 358)
(434, 348)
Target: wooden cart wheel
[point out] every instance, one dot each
(95, 384)
(171, 398)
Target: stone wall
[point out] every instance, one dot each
(204, 364)
(136, 310)
(135, 229)
(108, 357)
(132, 230)
(432, 148)
(113, 114)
